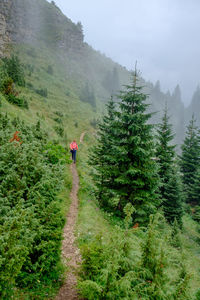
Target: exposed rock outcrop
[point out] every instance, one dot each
(32, 22)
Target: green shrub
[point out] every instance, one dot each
(58, 120)
(29, 85)
(114, 270)
(56, 153)
(59, 130)
(90, 290)
(31, 220)
(50, 70)
(42, 92)
(14, 69)
(196, 214)
(17, 101)
(59, 114)
(7, 86)
(30, 69)
(3, 73)
(198, 295)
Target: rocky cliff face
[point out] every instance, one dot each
(4, 28)
(34, 22)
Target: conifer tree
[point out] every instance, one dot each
(164, 151)
(190, 158)
(136, 177)
(170, 188)
(172, 203)
(101, 156)
(194, 189)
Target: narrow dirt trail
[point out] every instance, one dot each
(70, 252)
(82, 137)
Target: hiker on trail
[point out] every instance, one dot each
(73, 148)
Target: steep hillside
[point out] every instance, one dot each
(61, 93)
(56, 58)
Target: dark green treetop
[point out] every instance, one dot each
(136, 177)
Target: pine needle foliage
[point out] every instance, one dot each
(194, 189)
(14, 69)
(31, 219)
(129, 148)
(173, 201)
(136, 178)
(112, 270)
(165, 152)
(102, 158)
(190, 157)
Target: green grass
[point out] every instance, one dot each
(63, 96)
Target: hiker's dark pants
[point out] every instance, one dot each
(74, 155)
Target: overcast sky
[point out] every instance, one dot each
(162, 35)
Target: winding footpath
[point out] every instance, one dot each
(70, 251)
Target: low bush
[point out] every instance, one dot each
(7, 86)
(56, 153)
(31, 218)
(42, 92)
(58, 120)
(196, 214)
(50, 70)
(14, 69)
(59, 130)
(59, 114)
(17, 101)
(114, 270)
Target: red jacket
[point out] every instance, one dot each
(73, 146)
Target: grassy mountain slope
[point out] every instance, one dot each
(56, 58)
(59, 67)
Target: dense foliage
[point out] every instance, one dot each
(115, 270)
(31, 219)
(14, 69)
(11, 72)
(190, 157)
(128, 145)
(170, 185)
(103, 160)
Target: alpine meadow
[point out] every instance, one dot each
(121, 222)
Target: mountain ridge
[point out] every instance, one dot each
(42, 25)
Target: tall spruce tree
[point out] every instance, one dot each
(190, 157)
(101, 157)
(165, 151)
(170, 188)
(135, 179)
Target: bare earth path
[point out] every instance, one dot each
(82, 137)
(70, 252)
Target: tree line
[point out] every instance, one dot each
(135, 163)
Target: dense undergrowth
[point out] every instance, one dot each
(119, 262)
(32, 214)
